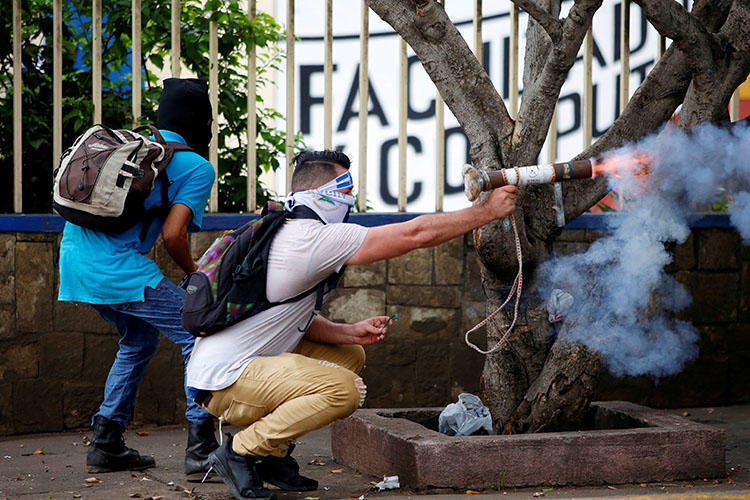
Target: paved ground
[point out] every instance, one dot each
(51, 466)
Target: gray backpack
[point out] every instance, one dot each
(106, 175)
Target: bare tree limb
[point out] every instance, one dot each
(652, 104)
(688, 34)
(655, 100)
(460, 78)
(736, 31)
(540, 96)
(708, 96)
(550, 23)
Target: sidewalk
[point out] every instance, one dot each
(51, 466)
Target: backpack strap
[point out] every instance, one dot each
(322, 288)
(328, 284)
(304, 212)
(163, 208)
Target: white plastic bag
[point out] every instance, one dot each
(466, 417)
(558, 305)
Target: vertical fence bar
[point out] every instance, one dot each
(478, 29)
(625, 54)
(17, 102)
(439, 147)
(734, 106)
(328, 76)
(252, 150)
(625, 59)
(661, 46)
(56, 82)
(588, 89)
(552, 138)
(175, 52)
(96, 65)
(513, 61)
(289, 93)
(402, 116)
(364, 102)
(213, 90)
(136, 61)
(439, 152)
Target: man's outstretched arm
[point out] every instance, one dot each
(392, 240)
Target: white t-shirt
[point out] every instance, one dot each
(303, 253)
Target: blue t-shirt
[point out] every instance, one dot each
(101, 268)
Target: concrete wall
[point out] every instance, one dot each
(55, 356)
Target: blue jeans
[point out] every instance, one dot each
(139, 324)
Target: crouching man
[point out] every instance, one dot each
(287, 370)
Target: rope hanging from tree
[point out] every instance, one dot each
(515, 290)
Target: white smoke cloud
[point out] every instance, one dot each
(624, 298)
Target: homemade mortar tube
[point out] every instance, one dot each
(477, 180)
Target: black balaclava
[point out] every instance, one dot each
(184, 108)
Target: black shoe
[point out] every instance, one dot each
(238, 472)
(284, 473)
(201, 442)
(108, 453)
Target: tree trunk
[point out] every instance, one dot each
(532, 382)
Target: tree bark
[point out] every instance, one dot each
(533, 383)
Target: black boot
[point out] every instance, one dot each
(108, 453)
(201, 442)
(284, 473)
(239, 472)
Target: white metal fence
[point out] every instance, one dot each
(327, 5)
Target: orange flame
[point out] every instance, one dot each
(617, 166)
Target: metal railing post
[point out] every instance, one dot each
(96, 65)
(17, 107)
(175, 49)
(402, 116)
(136, 61)
(478, 29)
(213, 92)
(439, 147)
(588, 88)
(513, 88)
(328, 77)
(625, 54)
(56, 82)
(252, 150)
(290, 135)
(364, 103)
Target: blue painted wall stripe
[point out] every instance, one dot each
(44, 223)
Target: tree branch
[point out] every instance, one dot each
(689, 35)
(651, 106)
(736, 31)
(459, 77)
(540, 96)
(550, 23)
(717, 78)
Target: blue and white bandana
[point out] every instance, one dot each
(330, 205)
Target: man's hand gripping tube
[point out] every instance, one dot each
(477, 180)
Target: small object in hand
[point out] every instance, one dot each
(391, 318)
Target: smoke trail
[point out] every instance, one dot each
(623, 297)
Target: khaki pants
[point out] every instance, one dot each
(280, 398)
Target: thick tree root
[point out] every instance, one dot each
(560, 397)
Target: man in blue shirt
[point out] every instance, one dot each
(112, 273)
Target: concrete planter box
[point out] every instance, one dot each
(629, 444)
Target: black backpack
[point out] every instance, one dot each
(230, 284)
(106, 175)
